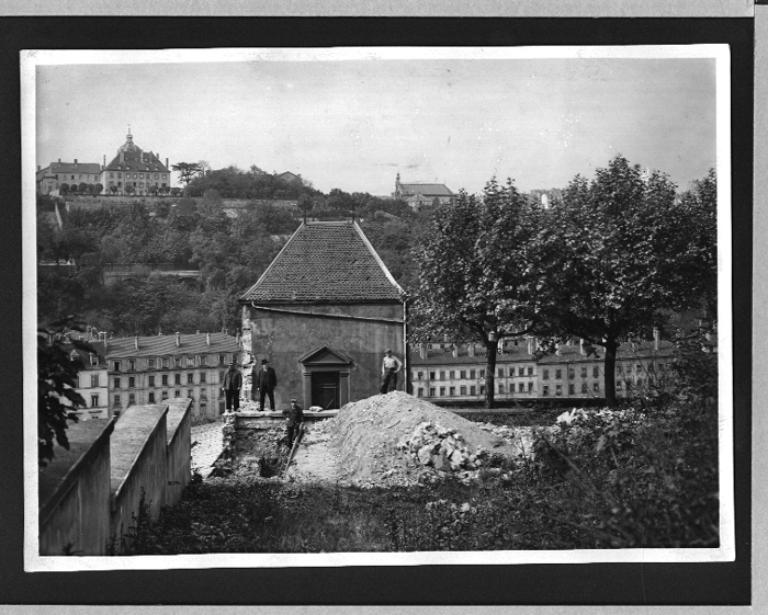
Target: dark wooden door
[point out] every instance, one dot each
(325, 389)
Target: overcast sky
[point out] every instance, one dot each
(354, 124)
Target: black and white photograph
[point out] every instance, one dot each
(377, 306)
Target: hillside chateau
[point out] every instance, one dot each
(131, 171)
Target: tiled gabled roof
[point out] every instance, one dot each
(426, 189)
(325, 262)
(75, 167)
(163, 345)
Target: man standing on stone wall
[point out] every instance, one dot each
(390, 367)
(233, 381)
(266, 381)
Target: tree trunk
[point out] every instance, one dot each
(490, 371)
(610, 373)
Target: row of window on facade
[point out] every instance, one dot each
(119, 175)
(524, 388)
(132, 365)
(164, 380)
(139, 184)
(61, 177)
(155, 396)
(522, 371)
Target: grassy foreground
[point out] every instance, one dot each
(602, 479)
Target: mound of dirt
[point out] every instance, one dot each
(398, 439)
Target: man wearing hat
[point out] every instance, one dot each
(295, 419)
(265, 379)
(390, 367)
(233, 381)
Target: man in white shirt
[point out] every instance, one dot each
(390, 367)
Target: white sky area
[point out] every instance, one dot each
(354, 124)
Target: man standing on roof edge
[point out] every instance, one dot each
(233, 381)
(390, 367)
(265, 380)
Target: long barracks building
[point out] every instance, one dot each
(456, 372)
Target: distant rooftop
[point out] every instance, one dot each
(519, 353)
(426, 189)
(160, 345)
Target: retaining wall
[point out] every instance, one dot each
(74, 493)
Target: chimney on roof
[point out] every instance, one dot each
(178, 339)
(582, 352)
(530, 345)
(59, 160)
(207, 339)
(237, 339)
(75, 161)
(455, 351)
(422, 350)
(136, 342)
(470, 349)
(104, 164)
(166, 163)
(557, 349)
(122, 156)
(656, 338)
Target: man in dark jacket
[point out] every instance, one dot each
(295, 419)
(233, 381)
(265, 380)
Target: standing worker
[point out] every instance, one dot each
(390, 367)
(233, 381)
(295, 419)
(266, 381)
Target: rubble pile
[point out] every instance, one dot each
(519, 437)
(442, 448)
(377, 442)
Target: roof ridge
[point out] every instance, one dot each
(376, 256)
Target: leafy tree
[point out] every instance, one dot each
(306, 204)
(615, 249)
(83, 188)
(63, 188)
(479, 272)
(697, 265)
(57, 372)
(187, 171)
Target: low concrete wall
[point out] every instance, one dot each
(139, 465)
(179, 450)
(74, 493)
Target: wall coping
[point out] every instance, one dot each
(178, 409)
(131, 426)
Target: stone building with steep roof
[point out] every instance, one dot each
(134, 171)
(419, 195)
(323, 313)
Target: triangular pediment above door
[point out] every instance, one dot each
(325, 355)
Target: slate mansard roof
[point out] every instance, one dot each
(325, 262)
(130, 157)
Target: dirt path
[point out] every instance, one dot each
(316, 460)
(207, 444)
